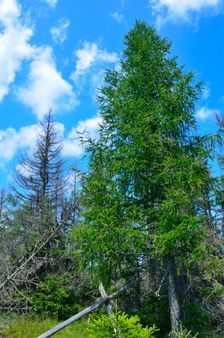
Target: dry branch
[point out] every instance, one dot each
(30, 258)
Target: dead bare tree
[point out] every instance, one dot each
(39, 179)
(36, 227)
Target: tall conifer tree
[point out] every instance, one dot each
(142, 196)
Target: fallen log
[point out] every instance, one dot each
(91, 308)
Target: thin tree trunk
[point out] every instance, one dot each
(138, 287)
(109, 307)
(109, 304)
(174, 306)
(222, 212)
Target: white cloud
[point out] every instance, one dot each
(23, 170)
(59, 33)
(46, 88)
(174, 9)
(97, 79)
(117, 17)
(72, 147)
(14, 46)
(206, 93)
(91, 62)
(11, 140)
(52, 3)
(88, 56)
(59, 128)
(9, 12)
(204, 113)
(89, 128)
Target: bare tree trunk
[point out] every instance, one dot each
(109, 308)
(174, 306)
(138, 286)
(109, 304)
(222, 216)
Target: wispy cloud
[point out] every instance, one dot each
(52, 3)
(206, 93)
(9, 12)
(60, 31)
(11, 140)
(117, 17)
(46, 88)
(88, 56)
(166, 10)
(91, 62)
(89, 128)
(14, 42)
(204, 113)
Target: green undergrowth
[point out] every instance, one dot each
(31, 327)
(28, 327)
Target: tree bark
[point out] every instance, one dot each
(174, 306)
(109, 307)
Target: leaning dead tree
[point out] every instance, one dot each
(102, 301)
(24, 262)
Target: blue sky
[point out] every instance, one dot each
(53, 54)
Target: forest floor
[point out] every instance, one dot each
(27, 327)
(31, 327)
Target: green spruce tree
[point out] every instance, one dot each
(142, 196)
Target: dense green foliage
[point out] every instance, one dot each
(147, 169)
(119, 325)
(143, 196)
(54, 298)
(183, 333)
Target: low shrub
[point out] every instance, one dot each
(183, 333)
(53, 298)
(119, 325)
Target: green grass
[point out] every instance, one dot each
(27, 327)
(32, 327)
